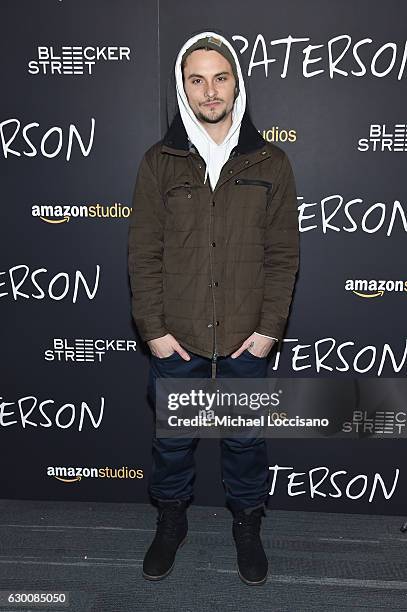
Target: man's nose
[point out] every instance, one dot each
(211, 91)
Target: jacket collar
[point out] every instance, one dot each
(176, 138)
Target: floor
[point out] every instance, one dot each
(94, 551)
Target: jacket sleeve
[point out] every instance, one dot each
(145, 251)
(281, 254)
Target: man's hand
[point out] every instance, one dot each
(258, 345)
(166, 346)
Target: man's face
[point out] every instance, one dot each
(209, 85)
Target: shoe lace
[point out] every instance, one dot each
(247, 528)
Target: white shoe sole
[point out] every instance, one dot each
(250, 582)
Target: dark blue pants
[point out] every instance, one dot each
(245, 472)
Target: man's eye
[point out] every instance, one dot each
(221, 78)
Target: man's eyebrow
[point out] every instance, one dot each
(191, 76)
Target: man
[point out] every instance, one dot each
(213, 254)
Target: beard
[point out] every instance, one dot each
(211, 118)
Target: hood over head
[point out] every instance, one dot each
(215, 155)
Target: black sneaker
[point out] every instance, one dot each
(251, 559)
(172, 527)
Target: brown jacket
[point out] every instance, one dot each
(212, 267)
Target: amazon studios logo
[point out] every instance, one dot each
(374, 288)
(76, 473)
(62, 213)
(74, 60)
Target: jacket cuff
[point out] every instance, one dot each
(272, 328)
(151, 328)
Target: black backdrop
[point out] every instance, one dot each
(85, 84)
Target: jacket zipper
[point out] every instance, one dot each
(243, 181)
(214, 357)
(237, 181)
(214, 347)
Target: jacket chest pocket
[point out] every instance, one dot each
(178, 194)
(180, 206)
(179, 189)
(252, 199)
(257, 182)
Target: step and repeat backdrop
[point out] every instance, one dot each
(83, 96)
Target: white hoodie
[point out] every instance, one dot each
(215, 155)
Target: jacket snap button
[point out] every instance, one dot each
(189, 196)
(247, 161)
(210, 325)
(213, 244)
(263, 152)
(217, 323)
(215, 284)
(210, 285)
